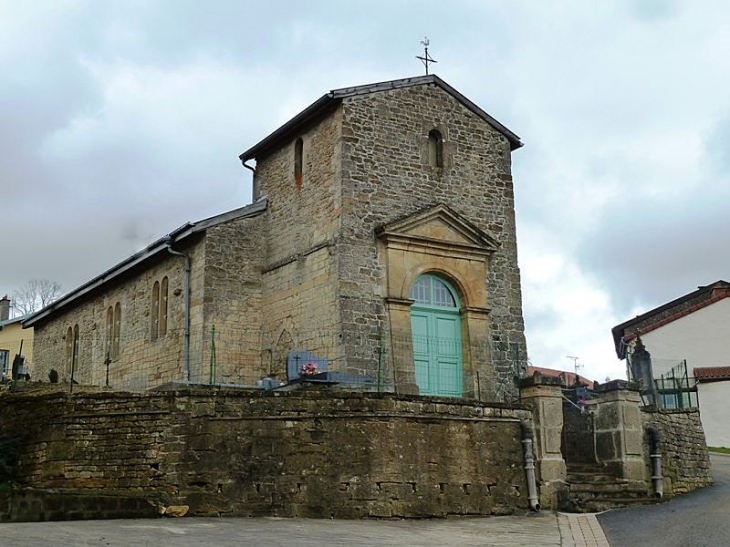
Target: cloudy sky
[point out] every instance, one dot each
(121, 120)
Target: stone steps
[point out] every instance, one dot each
(591, 490)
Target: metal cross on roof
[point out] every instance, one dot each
(426, 57)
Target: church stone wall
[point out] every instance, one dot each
(299, 273)
(142, 361)
(316, 454)
(304, 214)
(386, 176)
(233, 303)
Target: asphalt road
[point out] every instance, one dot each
(697, 519)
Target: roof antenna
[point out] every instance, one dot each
(426, 57)
(576, 366)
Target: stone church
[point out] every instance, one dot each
(380, 240)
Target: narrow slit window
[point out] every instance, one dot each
(109, 333)
(69, 350)
(155, 311)
(75, 352)
(435, 149)
(298, 161)
(163, 307)
(117, 330)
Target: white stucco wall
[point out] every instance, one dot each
(702, 338)
(714, 411)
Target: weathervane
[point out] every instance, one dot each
(426, 57)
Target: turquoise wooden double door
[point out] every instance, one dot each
(436, 331)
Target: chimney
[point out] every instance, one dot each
(4, 308)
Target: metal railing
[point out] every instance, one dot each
(676, 388)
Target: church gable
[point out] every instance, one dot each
(438, 228)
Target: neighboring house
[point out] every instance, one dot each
(686, 334)
(568, 378)
(381, 240)
(713, 386)
(13, 339)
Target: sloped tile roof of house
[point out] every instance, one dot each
(569, 378)
(710, 374)
(327, 101)
(666, 313)
(14, 320)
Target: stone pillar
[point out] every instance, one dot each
(619, 431)
(480, 378)
(544, 397)
(401, 345)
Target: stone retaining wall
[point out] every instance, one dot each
(686, 461)
(252, 453)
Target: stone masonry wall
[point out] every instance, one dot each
(299, 274)
(142, 361)
(233, 302)
(386, 176)
(686, 461)
(253, 453)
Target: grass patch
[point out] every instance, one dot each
(719, 449)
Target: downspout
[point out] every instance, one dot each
(254, 185)
(656, 462)
(530, 465)
(186, 320)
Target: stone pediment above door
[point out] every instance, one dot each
(437, 229)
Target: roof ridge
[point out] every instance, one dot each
(315, 110)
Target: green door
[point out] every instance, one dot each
(436, 331)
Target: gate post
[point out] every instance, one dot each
(543, 395)
(619, 430)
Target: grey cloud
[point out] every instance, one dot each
(650, 250)
(718, 148)
(653, 10)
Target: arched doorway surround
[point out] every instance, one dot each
(436, 332)
(438, 242)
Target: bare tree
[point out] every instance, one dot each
(36, 294)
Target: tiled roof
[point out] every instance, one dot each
(566, 376)
(14, 320)
(709, 374)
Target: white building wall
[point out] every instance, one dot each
(702, 338)
(714, 411)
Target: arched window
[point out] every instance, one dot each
(163, 307)
(155, 311)
(298, 161)
(69, 350)
(436, 332)
(433, 291)
(117, 330)
(74, 352)
(158, 309)
(435, 148)
(109, 334)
